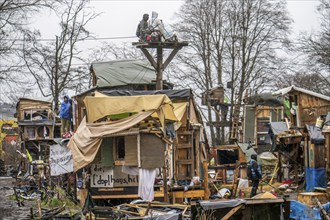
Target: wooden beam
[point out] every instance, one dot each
(157, 194)
(170, 57)
(232, 212)
(166, 199)
(206, 180)
(149, 57)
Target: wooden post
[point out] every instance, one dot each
(166, 199)
(159, 76)
(138, 141)
(279, 172)
(206, 180)
(39, 208)
(296, 163)
(327, 150)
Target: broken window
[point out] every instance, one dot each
(33, 115)
(229, 156)
(120, 148)
(30, 132)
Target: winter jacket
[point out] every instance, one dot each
(65, 112)
(254, 170)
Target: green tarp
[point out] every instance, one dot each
(123, 72)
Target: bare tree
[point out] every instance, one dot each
(51, 65)
(311, 81)
(14, 19)
(230, 41)
(316, 45)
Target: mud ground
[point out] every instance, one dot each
(9, 208)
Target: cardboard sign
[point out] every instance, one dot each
(60, 160)
(102, 176)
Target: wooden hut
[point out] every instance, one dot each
(170, 140)
(37, 127)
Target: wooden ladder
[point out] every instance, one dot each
(184, 155)
(234, 125)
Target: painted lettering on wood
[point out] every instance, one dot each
(102, 176)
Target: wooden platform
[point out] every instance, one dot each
(165, 45)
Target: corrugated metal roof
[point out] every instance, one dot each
(123, 72)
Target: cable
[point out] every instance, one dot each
(100, 38)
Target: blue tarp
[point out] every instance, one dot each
(315, 177)
(300, 211)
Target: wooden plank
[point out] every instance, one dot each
(166, 199)
(327, 150)
(311, 154)
(183, 146)
(110, 189)
(188, 194)
(232, 212)
(149, 57)
(324, 213)
(184, 161)
(197, 153)
(308, 198)
(206, 180)
(127, 196)
(263, 201)
(171, 56)
(235, 180)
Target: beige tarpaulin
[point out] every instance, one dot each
(180, 109)
(99, 107)
(86, 142)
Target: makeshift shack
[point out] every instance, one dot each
(130, 139)
(305, 106)
(37, 127)
(287, 145)
(229, 158)
(259, 111)
(124, 137)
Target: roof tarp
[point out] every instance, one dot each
(248, 151)
(179, 108)
(86, 141)
(265, 99)
(220, 204)
(99, 107)
(315, 134)
(123, 72)
(278, 128)
(172, 94)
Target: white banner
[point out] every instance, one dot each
(60, 160)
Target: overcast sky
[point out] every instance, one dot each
(119, 18)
